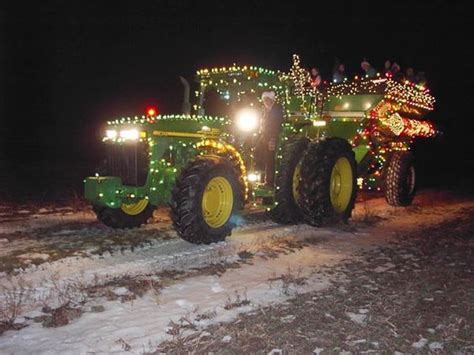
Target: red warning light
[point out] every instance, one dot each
(151, 111)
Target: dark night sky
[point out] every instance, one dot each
(66, 67)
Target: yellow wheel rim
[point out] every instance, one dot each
(133, 209)
(341, 185)
(217, 202)
(296, 181)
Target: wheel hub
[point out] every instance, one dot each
(341, 184)
(217, 202)
(134, 208)
(296, 181)
(336, 183)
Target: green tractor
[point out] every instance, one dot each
(334, 140)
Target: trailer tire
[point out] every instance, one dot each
(287, 209)
(206, 199)
(400, 180)
(328, 187)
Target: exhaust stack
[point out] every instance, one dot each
(186, 107)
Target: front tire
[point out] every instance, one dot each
(328, 187)
(400, 180)
(205, 200)
(127, 216)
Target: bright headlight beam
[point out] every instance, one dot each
(129, 134)
(247, 119)
(111, 134)
(253, 177)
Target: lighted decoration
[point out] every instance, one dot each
(224, 148)
(237, 82)
(401, 93)
(408, 127)
(234, 69)
(300, 77)
(137, 126)
(390, 114)
(409, 93)
(415, 128)
(395, 123)
(150, 119)
(399, 103)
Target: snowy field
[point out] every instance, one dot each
(86, 288)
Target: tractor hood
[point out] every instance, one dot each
(164, 125)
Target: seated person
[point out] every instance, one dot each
(315, 78)
(368, 70)
(338, 74)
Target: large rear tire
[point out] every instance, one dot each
(127, 216)
(400, 180)
(205, 200)
(287, 209)
(328, 185)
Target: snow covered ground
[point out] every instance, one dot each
(262, 263)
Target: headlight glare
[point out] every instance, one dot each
(253, 176)
(129, 134)
(111, 134)
(247, 119)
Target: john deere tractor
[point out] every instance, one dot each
(203, 163)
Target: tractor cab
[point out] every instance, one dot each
(235, 93)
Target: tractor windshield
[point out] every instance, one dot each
(216, 102)
(224, 90)
(225, 103)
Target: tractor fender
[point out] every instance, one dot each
(211, 147)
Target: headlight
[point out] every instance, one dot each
(247, 119)
(253, 177)
(111, 134)
(129, 134)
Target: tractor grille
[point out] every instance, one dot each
(129, 162)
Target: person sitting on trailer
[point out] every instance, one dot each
(368, 70)
(315, 78)
(338, 74)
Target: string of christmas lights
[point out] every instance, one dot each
(403, 93)
(153, 119)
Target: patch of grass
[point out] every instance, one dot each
(369, 217)
(98, 241)
(14, 296)
(245, 255)
(240, 300)
(61, 316)
(137, 287)
(217, 269)
(9, 263)
(124, 344)
(290, 281)
(205, 315)
(273, 247)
